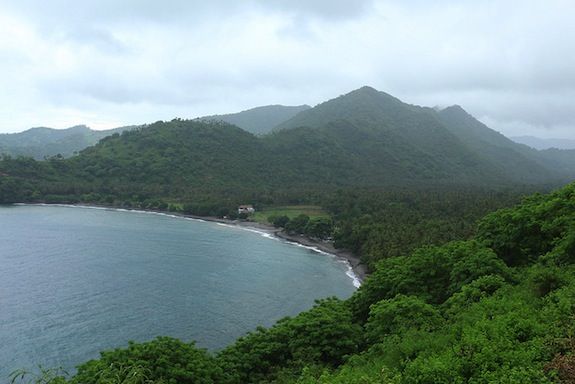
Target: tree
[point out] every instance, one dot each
(164, 359)
(279, 221)
(297, 224)
(399, 314)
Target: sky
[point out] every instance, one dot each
(110, 63)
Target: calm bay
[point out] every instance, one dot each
(75, 281)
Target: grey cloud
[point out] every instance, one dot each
(544, 110)
(509, 63)
(127, 11)
(323, 9)
(100, 39)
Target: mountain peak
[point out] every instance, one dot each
(75, 129)
(456, 108)
(80, 127)
(364, 107)
(366, 89)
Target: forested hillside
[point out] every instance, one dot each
(511, 157)
(495, 308)
(560, 159)
(363, 139)
(451, 131)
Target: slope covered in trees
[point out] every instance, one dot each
(495, 308)
(363, 139)
(515, 160)
(452, 132)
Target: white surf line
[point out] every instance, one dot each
(260, 232)
(349, 273)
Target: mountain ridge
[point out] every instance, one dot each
(42, 142)
(364, 139)
(259, 120)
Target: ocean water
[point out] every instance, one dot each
(75, 281)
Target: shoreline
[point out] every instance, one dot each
(358, 269)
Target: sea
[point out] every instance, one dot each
(75, 281)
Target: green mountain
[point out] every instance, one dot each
(472, 131)
(42, 142)
(363, 139)
(365, 107)
(180, 154)
(560, 159)
(514, 159)
(451, 141)
(388, 141)
(259, 120)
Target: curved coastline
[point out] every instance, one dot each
(356, 270)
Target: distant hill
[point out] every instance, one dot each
(260, 120)
(451, 138)
(539, 143)
(516, 161)
(44, 142)
(562, 160)
(385, 139)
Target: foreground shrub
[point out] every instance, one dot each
(163, 360)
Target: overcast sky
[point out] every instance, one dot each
(108, 63)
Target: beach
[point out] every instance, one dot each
(358, 269)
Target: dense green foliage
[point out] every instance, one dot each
(436, 134)
(320, 228)
(536, 228)
(516, 161)
(462, 312)
(324, 335)
(164, 359)
(378, 224)
(432, 273)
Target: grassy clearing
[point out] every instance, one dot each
(290, 211)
